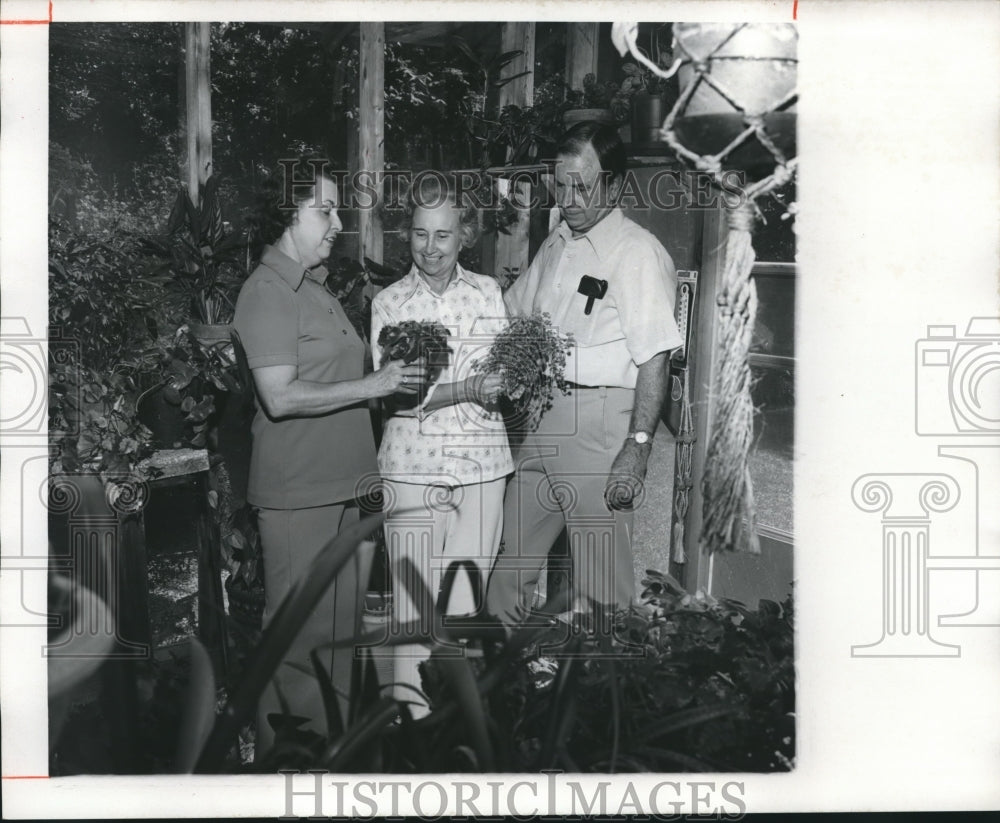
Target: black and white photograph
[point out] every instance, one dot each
(455, 401)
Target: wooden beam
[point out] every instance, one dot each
(511, 251)
(581, 52)
(197, 122)
(702, 366)
(371, 131)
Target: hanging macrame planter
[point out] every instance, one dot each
(736, 112)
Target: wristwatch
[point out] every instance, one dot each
(641, 438)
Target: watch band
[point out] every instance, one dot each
(641, 438)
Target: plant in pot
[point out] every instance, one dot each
(194, 377)
(645, 99)
(487, 69)
(208, 263)
(205, 264)
(591, 103)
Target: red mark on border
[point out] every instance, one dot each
(29, 23)
(24, 776)
(795, 10)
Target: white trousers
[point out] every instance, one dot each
(433, 527)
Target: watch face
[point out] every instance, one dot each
(641, 437)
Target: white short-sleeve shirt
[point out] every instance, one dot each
(631, 323)
(462, 443)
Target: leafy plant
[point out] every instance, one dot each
(682, 683)
(191, 370)
(488, 68)
(208, 263)
(593, 95)
(530, 355)
(102, 293)
(414, 340)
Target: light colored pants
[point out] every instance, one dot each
(290, 540)
(561, 471)
(434, 526)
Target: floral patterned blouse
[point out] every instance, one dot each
(462, 443)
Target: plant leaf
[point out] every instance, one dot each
(199, 710)
(284, 626)
(331, 704)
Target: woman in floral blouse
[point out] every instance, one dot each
(445, 463)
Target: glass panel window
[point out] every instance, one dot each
(774, 327)
(772, 361)
(773, 395)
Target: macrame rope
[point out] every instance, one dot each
(729, 520)
(683, 474)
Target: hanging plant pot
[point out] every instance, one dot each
(648, 111)
(756, 65)
(158, 412)
(215, 336)
(574, 116)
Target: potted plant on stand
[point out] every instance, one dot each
(648, 99)
(644, 98)
(591, 103)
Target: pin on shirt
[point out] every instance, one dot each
(593, 289)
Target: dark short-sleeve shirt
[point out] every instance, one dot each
(285, 316)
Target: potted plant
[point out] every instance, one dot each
(646, 99)
(591, 103)
(204, 264)
(207, 262)
(488, 69)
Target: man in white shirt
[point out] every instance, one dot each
(583, 468)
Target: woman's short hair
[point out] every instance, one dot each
(430, 189)
(286, 187)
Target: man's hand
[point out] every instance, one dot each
(624, 486)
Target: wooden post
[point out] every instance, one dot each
(704, 355)
(197, 123)
(371, 133)
(581, 52)
(511, 250)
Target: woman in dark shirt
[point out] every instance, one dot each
(312, 436)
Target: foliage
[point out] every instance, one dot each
(520, 135)
(530, 355)
(414, 340)
(102, 293)
(191, 370)
(593, 95)
(427, 91)
(688, 684)
(208, 263)
(683, 683)
(346, 281)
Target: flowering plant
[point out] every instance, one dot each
(530, 355)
